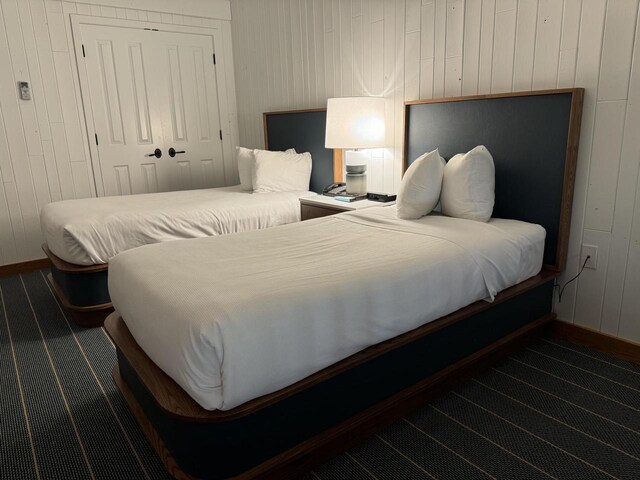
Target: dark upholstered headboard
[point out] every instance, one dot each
(533, 137)
(303, 130)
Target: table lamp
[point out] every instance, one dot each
(354, 123)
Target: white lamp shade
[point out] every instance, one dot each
(355, 122)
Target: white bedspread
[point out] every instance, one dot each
(235, 317)
(92, 230)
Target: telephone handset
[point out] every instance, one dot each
(335, 189)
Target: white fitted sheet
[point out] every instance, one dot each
(90, 231)
(236, 317)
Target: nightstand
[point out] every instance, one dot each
(322, 206)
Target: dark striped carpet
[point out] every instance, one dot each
(555, 410)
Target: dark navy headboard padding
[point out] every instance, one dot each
(527, 136)
(304, 131)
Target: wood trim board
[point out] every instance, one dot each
(23, 267)
(618, 347)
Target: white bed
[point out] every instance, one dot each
(91, 231)
(229, 322)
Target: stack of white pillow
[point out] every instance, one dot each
(464, 186)
(264, 171)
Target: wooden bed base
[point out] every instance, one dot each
(81, 289)
(288, 432)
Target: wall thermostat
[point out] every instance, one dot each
(25, 91)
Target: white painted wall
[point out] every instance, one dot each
(293, 54)
(44, 153)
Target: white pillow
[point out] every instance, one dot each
(281, 171)
(246, 161)
(468, 186)
(420, 188)
(244, 157)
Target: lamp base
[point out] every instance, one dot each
(356, 183)
(356, 177)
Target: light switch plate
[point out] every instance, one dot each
(592, 252)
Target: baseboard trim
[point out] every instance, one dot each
(23, 267)
(623, 349)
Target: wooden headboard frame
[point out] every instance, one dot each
(533, 137)
(289, 130)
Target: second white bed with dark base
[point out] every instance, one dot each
(81, 236)
(296, 350)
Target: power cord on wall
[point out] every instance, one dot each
(569, 281)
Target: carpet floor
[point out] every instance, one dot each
(554, 410)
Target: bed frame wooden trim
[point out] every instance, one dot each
(77, 278)
(67, 267)
(320, 448)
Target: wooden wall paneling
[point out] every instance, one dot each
(621, 266)
(45, 59)
(587, 75)
(591, 292)
(471, 50)
(486, 46)
(427, 48)
(377, 57)
(318, 29)
(617, 49)
(605, 158)
(31, 52)
(25, 205)
(51, 166)
(569, 43)
(453, 48)
(109, 12)
(153, 17)
(393, 171)
(504, 43)
(8, 252)
(547, 54)
(231, 134)
(412, 54)
(346, 48)
(629, 322)
(337, 36)
(357, 49)
(63, 164)
(412, 62)
(21, 71)
(367, 53)
(525, 44)
(439, 49)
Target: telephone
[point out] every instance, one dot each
(335, 189)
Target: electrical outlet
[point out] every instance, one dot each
(592, 252)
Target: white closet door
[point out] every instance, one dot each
(149, 91)
(190, 114)
(126, 112)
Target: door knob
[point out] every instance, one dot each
(173, 152)
(156, 153)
